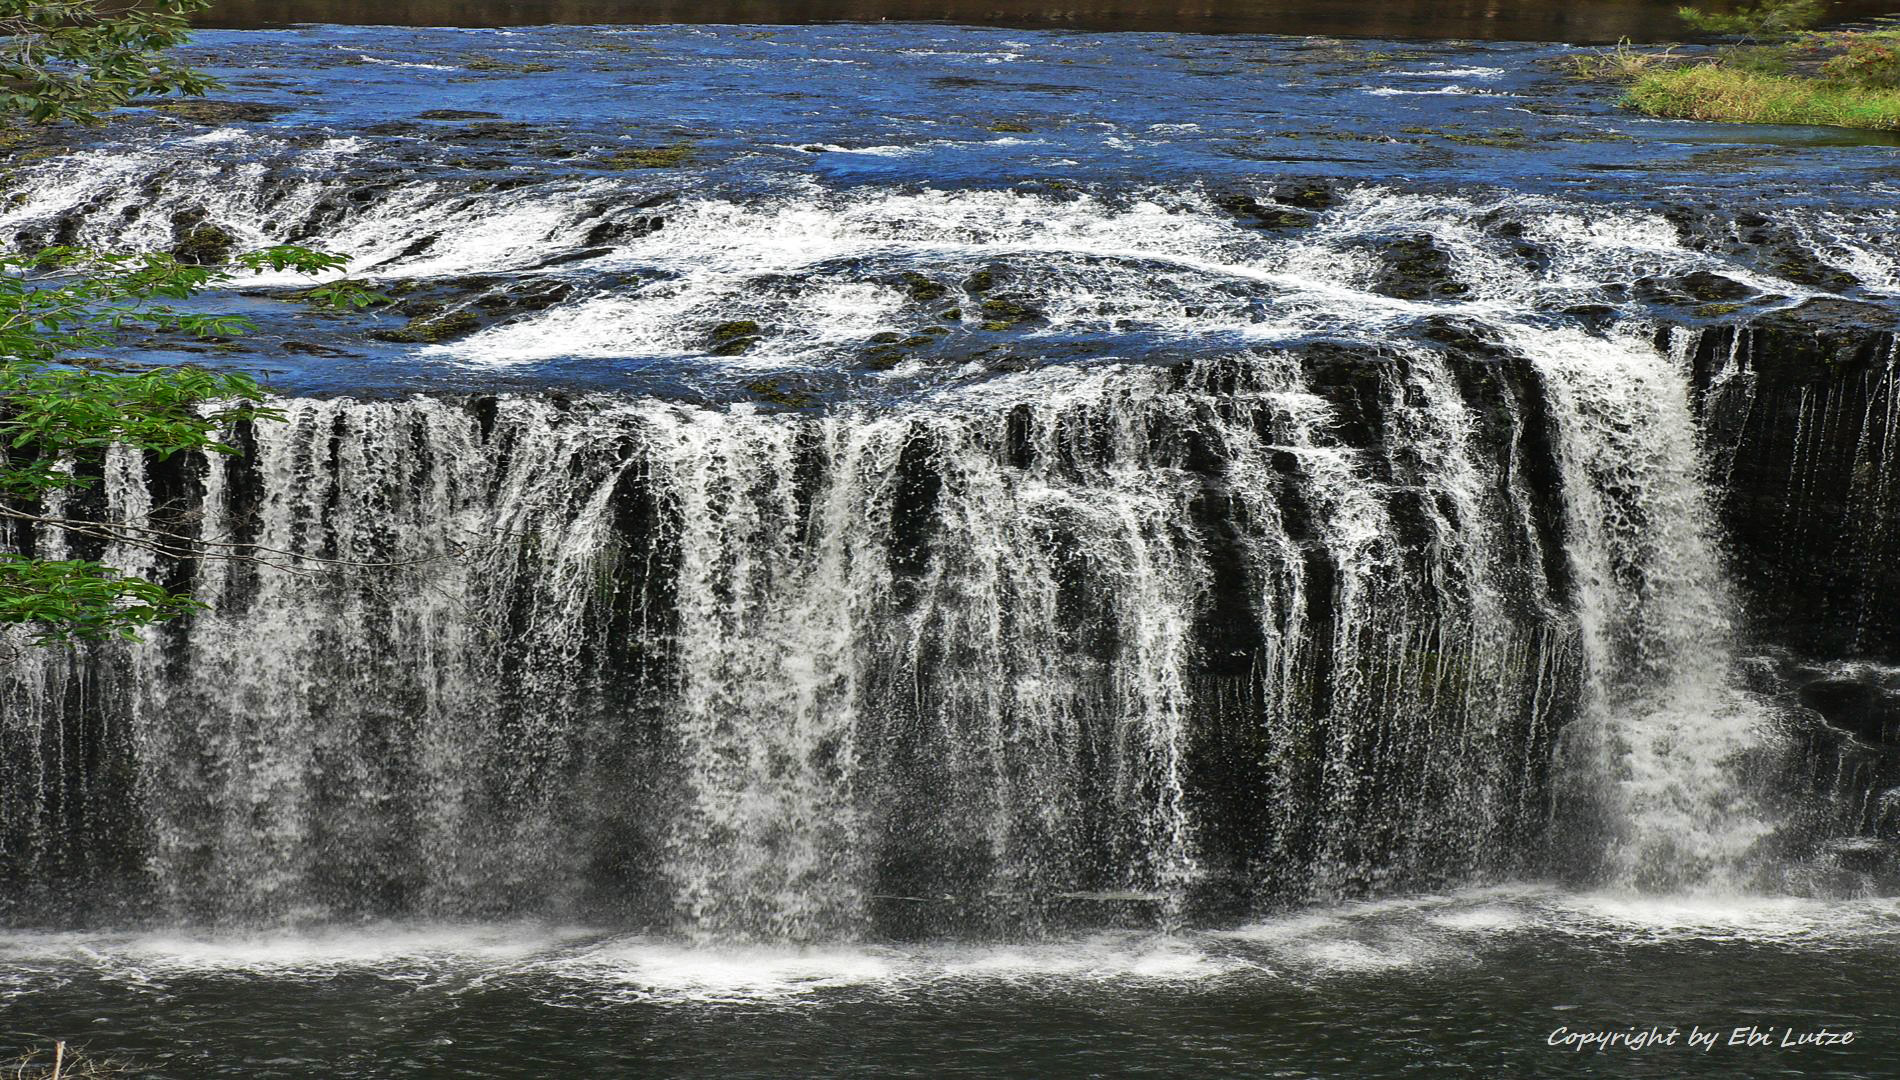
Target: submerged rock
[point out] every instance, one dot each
(733, 338)
(201, 111)
(1253, 212)
(651, 157)
(430, 329)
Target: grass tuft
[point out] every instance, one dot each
(1709, 92)
(1618, 63)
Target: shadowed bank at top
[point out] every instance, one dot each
(1583, 21)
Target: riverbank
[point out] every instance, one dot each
(1589, 22)
(1713, 92)
(1838, 78)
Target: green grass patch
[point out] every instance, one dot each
(1708, 92)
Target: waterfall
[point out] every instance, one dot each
(1669, 736)
(1048, 556)
(1135, 637)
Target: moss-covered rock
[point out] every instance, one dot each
(920, 288)
(776, 392)
(651, 157)
(982, 281)
(199, 242)
(201, 111)
(1005, 312)
(430, 329)
(508, 67)
(1253, 212)
(732, 338)
(1307, 196)
(884, 357)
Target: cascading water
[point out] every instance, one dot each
(1668, 732)
(871, 558)
(795, 670)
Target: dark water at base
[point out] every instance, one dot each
(1481, 984)
(1594, 21)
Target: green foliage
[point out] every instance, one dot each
(1870, 61)
(1620, 62)
(76, 59)
(58, 420)
(75, 600)
(1758, 59)
(1713, 92)
(1769, 18)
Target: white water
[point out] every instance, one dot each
(814, 267)
(786, 664)
(1012, 708)
(574, 966)
(1668, 735)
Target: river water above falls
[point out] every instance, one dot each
(1270, 555)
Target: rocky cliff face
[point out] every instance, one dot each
(1803, 417)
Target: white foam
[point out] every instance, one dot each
(1453, 73)
(1393, 91)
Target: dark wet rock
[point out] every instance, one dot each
(430, 329)
(509, 67)
(199, 242)
(457, 114)
(1841, 335)
(1767, 244)
(1592, 313)
(1311, 196)
(417, 247)
(671, 156)
(1709, 287)
(308, 348)
(1467, 339)
(1805, 448)
(631, 228)
(577, 255)
(486, 131)
(1415, 268)
(1010, 127)
(1689, 290)
(395, 128)
(1862, 700)
(1253, 212)
(202, 111)
(732, 338)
